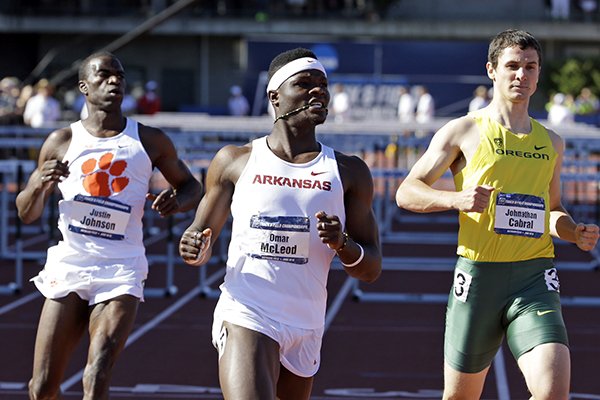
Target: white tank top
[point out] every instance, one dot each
(103, 197)
(276, 263)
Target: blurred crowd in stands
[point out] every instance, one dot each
(561, 10)
(259, 9)
(262, 10)
(563, 107)
(40, 104)
(415, 104)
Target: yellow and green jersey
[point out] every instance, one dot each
(515, 226)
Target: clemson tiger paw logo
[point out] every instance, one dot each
(102, 177)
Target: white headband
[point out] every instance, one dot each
(292, 68)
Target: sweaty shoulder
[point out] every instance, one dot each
(353, 170)
(150, 133)
(155, 141)
(231, 160)
(458, 136)
(57, 144)
(457, 129)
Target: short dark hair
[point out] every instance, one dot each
(84, 66)
(512, 38)
(288, 56)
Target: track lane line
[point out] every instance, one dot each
(195, 292)
(19, 303)
(337, 302)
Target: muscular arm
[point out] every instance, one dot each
(450, 147)
(361, 225)
(562, 225)
(49, 171)
(186, 191)
(211, 215)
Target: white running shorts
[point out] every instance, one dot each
(300, 349)
(94, 279)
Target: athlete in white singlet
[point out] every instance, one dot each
(295, 205)
(93, 278)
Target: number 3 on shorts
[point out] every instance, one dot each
(462, 282)
(552, 282)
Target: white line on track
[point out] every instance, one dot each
(19, 303)
(195, 292)
(337, 302)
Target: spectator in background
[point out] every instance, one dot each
(480, 98)
(559, 111)
(406, 106)
(560, 9)
(73, 102)
(425, 105)
(586, 103)
(137, 90)
(24, 96)
(340, 103)
(42, 109)
(9, 95)
(149, 103)
(129, 104)
(588, 7)
(238, 104)
(400, 155)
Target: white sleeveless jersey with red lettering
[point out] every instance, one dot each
(103, 197)
(277, 264)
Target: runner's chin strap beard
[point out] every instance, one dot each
(295, 111)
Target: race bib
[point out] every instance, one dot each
(520, 214)
(98, 216)
(279, 238)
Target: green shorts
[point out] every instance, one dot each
(491, 299)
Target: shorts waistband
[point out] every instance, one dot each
(533, 263)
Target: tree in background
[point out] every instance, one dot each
(574, 74)
(574, 77)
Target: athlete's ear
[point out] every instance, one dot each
(273, 97)
(83, 87)
(490, 70)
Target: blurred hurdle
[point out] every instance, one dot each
(578, 202)
(12, 175)
(387, 147)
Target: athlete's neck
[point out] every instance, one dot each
(513, 116)
(292, 149)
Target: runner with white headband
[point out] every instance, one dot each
(296, 204)
(289, 70)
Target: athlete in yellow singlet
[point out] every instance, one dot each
(519, 164)
(506, 169)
